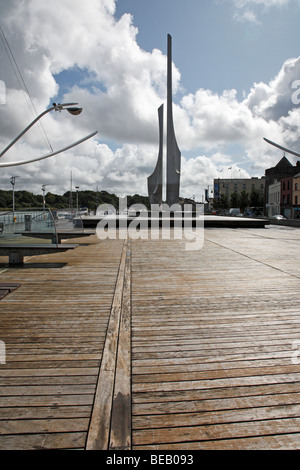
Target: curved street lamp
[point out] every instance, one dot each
(72, 109)
(282, 148)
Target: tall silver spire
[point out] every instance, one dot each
(173, 152)
(155, 181)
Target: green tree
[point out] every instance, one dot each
(224, 201)
(244, 201)
(256, 198)
(235, 200)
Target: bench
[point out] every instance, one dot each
(60, 235)
(16, 253)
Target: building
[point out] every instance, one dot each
(283, 169)
(274, 198)
(296, 196)
(286, 197)
(228, 187)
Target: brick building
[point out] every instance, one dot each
(284, 172)
(296, 196)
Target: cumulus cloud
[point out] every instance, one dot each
(274, 100)
(122, 88)
(250, 10)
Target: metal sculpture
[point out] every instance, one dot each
(155, 180)
(173, 152)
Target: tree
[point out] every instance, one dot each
(235, 200)
(256, 198)
(244, 201)
(87, 198)
(224, 201)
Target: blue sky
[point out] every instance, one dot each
(213, 47)
(235, 62)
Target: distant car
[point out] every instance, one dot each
(278, 217)
(235, 212)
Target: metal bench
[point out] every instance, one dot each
(16, 253)
(60, 235)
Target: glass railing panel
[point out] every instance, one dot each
(27, 227)
(67, 220)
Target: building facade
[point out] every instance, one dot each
(284, 169)
(296, 196)
(228, 187)
(287, 197)
(274, 207)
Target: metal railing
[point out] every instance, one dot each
(38, 226)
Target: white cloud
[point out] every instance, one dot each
(274, 100)
(251, 10)
(266, 3)
(123, 87)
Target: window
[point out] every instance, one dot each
(296, 200)
(296, 187)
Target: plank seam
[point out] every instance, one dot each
(100, 432)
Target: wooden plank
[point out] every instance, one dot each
(175, 422)
(201, 404)
(45, 412)
(40, 426)
(65, 440)
(276, 442)
(99, 430)
(283, 441)
(120, 435)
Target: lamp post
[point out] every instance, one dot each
(77, 188)
(13, 182)
(71, 108)
(44, 200)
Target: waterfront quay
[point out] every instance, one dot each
(145, 345)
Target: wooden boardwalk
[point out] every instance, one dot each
(54, 328)
(144, 345)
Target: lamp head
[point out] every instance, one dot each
(74, 111)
